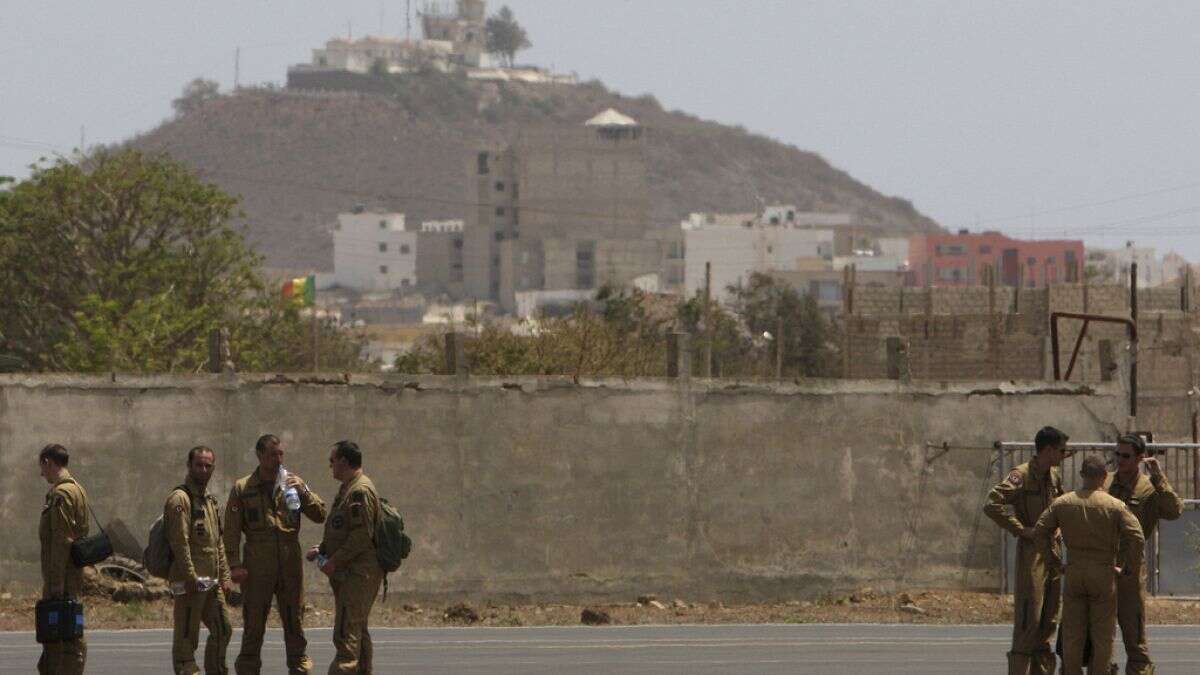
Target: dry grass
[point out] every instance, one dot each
(939, 607)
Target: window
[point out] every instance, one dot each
(481, 164)
(404, 250)
(405, 282)
(382, 247)
(950, 273)
(458, 243)
(1031, 261)
(383, 269)
(383, 224)
(1050, 260)
(985, 249)
(499, 236)
(499, 186)
(774, 220)
(949, 249)
(500, 211)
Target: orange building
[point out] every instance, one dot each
(959, 259)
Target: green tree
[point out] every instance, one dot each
(505, 36)
(809, 339)
(195, 93)
(127, 262)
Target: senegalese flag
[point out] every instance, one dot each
(302, 290)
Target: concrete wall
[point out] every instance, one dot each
(539, 488)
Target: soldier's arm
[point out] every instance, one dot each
(1043, 535)
(61, 507)
(1133, 543)
(312, 506)
(360, 528)
(232, 537)
(1167, 504)
(222, 560)
(998, 506)
(177, 517)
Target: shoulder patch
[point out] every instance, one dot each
(179, 508)
(1014, 478)
(359, 496)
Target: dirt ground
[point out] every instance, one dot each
(865, 606)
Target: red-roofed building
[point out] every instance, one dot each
(959, 259)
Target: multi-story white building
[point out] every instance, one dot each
(738, 246)
(374, 252)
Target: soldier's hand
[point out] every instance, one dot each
(1027, 532)
(239, 575)
(295, 481)
(1118, 570)
(329, 568)
(312, 553)
(227, 586)
(1153, 467)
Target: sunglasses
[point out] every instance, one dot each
(1125, 455)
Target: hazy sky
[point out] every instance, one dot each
(1036, 118)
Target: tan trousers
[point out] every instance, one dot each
(63, 658)
(191, 610)
(273, 573)
(354, 595)
(1037, 596)
(1089, 608)
(1131, 617)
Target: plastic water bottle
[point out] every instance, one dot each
(289, 493)
(320, 560)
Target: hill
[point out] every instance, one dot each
(298, 157)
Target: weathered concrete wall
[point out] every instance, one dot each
(544, 489)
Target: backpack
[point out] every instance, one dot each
(392, 545)
(158, 557)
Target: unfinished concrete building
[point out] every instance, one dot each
(561, 208)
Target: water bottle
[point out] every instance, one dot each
(289, 493)
(320, 560)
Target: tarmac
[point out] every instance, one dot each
(811, 648)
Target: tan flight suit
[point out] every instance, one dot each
(275, 567)
(1099, 531)
(1150, 502)
(1037, 591)
(193, 528)
(349, 543)
(64, 519)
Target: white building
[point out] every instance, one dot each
(374, 252)
(736, 248)
(1113, 264)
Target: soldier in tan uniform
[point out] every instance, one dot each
(272, 563)
(193, 527)
(1150, 498)
(352, 566)
(1016, 504)
(1104, 541)
(64, 519)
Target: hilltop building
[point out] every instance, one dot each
(561, 208)
(455, 40)
(440, 259)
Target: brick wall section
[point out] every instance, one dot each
(959, 340)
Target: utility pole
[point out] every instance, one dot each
(706, 363)
(408, 20)
(779, 347)
(237, 67)
(316, 337)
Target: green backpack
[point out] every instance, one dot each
(392, 545)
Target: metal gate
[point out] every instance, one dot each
(1172, 555)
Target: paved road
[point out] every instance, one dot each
(820, 648)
